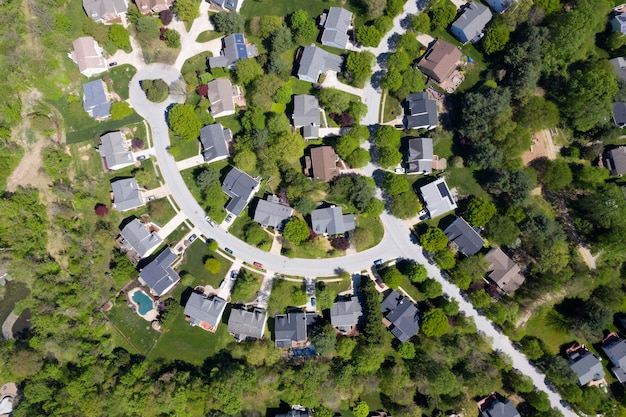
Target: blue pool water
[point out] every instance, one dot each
(145, 303)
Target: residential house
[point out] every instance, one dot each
(240, 187)
(114, 151)
(204, 312)
(322, 164)
(614, 348)
(297, 411)
(345, 315)
(246, 324)
(493, 406)
(306, 114)
(469, 26)
(438, 198)
(331, 221)
(503, 271)
(221, 94)
(400, 316)
(420, 158)
(290, 329)
(615, 160)
(420, 111)
(96, 100)
(336, 24)
(126, 194)
(315, 61)
(440, 60)
(586, 365)
(88, 55)
(618, 21)
(619, 114)
(464, 237)
(106, 11)
(619, 64)
(214, 140)
(153, 6)
(159, 275)
(8, 398)
(138, 241)
(500, 6)
(271, 213)
(232, 5)
(234, 48)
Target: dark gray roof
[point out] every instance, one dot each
(126, 194)
(228, 4)
(618, 22)
(345, 313)
(421, 111)
(290, 327)
(271, 213)
(310, 132)
(332, 221)
(464, 236)
(499, 6)
(616, 352)
(306, 110)
(213, 138)
(234, 48)
(159, 275)
(240, 187)
(420, 158)
(619, 114)
(586, 366)
(96, 99)
(437, 197)
(336, 25)
(616, 160)
(620, 67)
(136, 236)
(112, 148)
(315, 61)
(201, 309)
(469, 26)
(105, 9)
(500, 409)
(245, 324)
(402, 314)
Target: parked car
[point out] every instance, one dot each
(229, 218)
(152, 197)
(424, 214)
(378, 262)
(209, 221)
(399, 170)
(313, 302)
(228, 251)
(192, 237)
(258, 265)
(112, 64)
(380, 283)
(141, 157)
(233, 275)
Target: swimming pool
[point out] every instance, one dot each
(144, 302)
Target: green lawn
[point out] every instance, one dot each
(258, 278)
(14, 292)
(339, 286)
(283, 8)
(231, 122)
(282, 295)
(300, 87)
(160, 211)
(178, 234)
(540, 326)
(195, 257)
(121, 76)
(239, 226)
(410, 289)
(463, 180)
(214, 202)
(197, 63)
(392, 109)
(185, 149)
(442, 144)
(376, 228)
(133, 328)
(208, 35)
(312, 249)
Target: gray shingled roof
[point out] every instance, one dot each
(228, 4)
(240, 187)
(126, 194)
(136, 236)
(114, 151)
(437, 197)
(290, 327)
(616, 160)
(213, 138)
(314, 61)
(201, 309)
(420, 159)
(336, 25)
(234, 48)
(500, 409)
(586, 366)
(345, 313)
(331, 221)
(159, 275)
(421, 111)
(270, 213)
(619, 114)
(96, 99)
(306, 110)
(402, 314)
(245, 324)
(469, 26)
(99, 9)
(616, 352)
(464, 236)
(620, 67)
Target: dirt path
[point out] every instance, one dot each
(521, 321)
(542, 147)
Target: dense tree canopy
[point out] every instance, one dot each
(184, 122)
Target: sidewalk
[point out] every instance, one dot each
(332, 81)
(194, 161)
(172, 225)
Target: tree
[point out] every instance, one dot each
(187, 10)
(406, 350)
(435, 323)
(296, 230)
(358, 158)
(166, 17)
(416, 272)
(502, 230)
(496, 37)
(101, 210)
(404, 205)
(281, 40)
(289, 145)
(431, 288)
(213, 265)
(387, 136)
(122, 270)
(245, 160)
(395, 184)
(389, 157)
(392, 80)
(368, 35)
(344, 347)
(212, 245)
(184, 122)
(172, 38)
(148, 25)
(392, 277)
(324, 337)
(359, 67)
(361, 409)
(479, 211)
(557, 175)
(538, 400)
(537, 114)
(119, 36)
(480, 299)
(245, 287)
(442, 14)
(248, 70)
(421, 22)
(156, 91)
(120, 110)
(340, 243)
(267, 25)
(433, 239)
(303, 27)
(228, 22)
(515, 381)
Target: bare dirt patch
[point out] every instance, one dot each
(540, 148)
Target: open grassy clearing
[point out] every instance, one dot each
(208, 35)
(132, 327)
(196, 256)
(120, 77)
(283, 8)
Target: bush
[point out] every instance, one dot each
(172, 38)
(156, 91)
(120, 110)
(166, 17)
(296, 230)
(213, 265)
(340, 243)
(228, 22)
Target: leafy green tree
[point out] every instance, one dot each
(497, 37)
(281, 40)
(501, 312)
(245, 287)
(325, 296)
(119, 36)
(296, 230)
(148, 25)
(184, 122)
(361, 409)
(502, 230)
(435, 323)
(289, 145)
(416, 272)
(212, 265)
(359, 67)
(368, 35)
(156, 91)
(557, 175)
(122, 270)
(324, 337)
(263, 91)
(404, 205)
(479, 211)
(172, 38)
(303, 27)
(187, 10)
(433, 239)
(431, 288)
(406, 350)
(531, 347)
(248, 70)
(268, 25)
(537, 114)
(421, 22)
(228, 22)
(254, 234)
(480, 299)
(120, 110)
(358, 158)
(395, 184)
(392, 80)
(389, 157)
(515, 381)
(344, 347)
(538, 400)
(245, 160)
(392, 277)
(212, 245)
(387, 136)
(549, 6)
(442, 13)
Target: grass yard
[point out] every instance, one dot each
(14, 292)
(215, 200)
(196, 256)
(392, 109)
(339, 286)
(410, 289)
(242, 297)
(375, 228)
(238, 229)
(463, 180)
(283, 8)
(120, 77)
(160, 211)
(184, 149)
(178, 234)
(285, 294)
(299, 86)
(231, 122)
(208, 35)
(197, 62)
(540, 326)
(317, 248)
(131, 327)
(472, 77)
(442, 144)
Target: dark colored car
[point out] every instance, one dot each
(380, 283)
(313, 301)
(192, 237)
(378, 262)
(112, 64)
(228, 251)
(141, 157)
